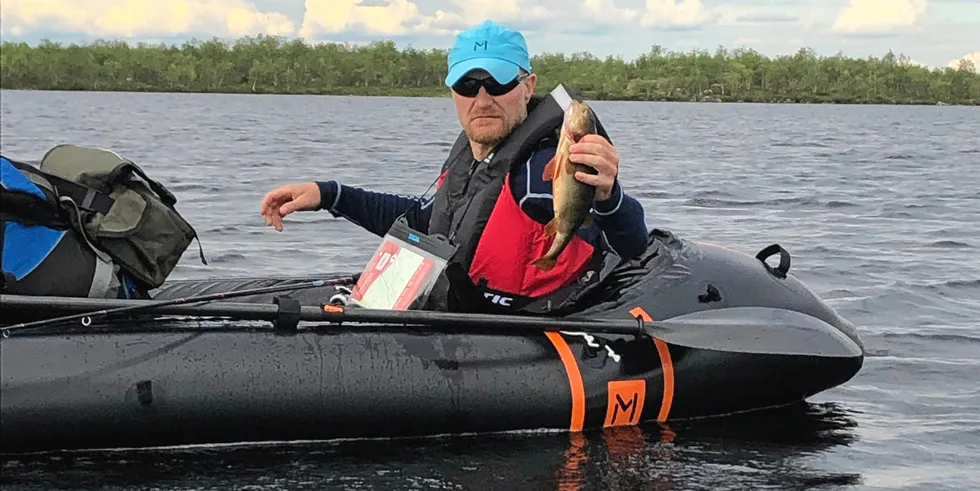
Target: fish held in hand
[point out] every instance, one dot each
(572, 198)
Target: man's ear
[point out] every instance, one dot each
(531, 82)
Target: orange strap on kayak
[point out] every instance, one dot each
(666, 364)
(574, 380)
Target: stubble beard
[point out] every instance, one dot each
(489, 139)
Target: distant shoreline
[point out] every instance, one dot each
(271, 65)
(444, 95)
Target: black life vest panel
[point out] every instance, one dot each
(464, 202)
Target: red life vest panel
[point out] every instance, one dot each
(511, 240)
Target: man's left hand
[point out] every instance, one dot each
(595, 151)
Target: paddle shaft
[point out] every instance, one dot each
(758, 330)
(127, 306)
(270, 312)
(430, 318)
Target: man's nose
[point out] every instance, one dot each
(483, 98)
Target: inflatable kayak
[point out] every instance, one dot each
(688, 330)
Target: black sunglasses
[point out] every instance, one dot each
(469, 87)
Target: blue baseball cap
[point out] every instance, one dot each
(489, 46)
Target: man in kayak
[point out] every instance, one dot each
(492, 200)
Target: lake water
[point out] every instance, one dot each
(879, 205)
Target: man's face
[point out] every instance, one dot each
(487, 119)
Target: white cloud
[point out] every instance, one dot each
(607, 11)
(876, 16)
(974, 57)
(674, 13)
(397, 17)
(334, 16)
(728, 15)
(443, 23)
(476, 11)
(141, 18)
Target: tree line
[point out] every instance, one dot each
(270, 64)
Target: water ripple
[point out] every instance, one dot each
(877, 204)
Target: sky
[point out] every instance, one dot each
(934, 33)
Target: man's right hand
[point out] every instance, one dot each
(289, 198)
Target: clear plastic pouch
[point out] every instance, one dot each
(403, 270)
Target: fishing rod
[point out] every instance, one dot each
(86, 317)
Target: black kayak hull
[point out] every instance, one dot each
(192, 381)
(180, 386)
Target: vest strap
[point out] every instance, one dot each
(101, 278)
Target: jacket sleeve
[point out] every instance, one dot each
(372, 210)
(622, 222)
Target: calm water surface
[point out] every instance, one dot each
(880, 207)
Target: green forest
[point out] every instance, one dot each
(267, 64)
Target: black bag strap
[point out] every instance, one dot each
(86, 198)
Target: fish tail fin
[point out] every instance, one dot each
(550, 258)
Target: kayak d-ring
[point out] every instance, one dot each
(784, 260)
(86, 321)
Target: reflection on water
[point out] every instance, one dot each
(757, 451)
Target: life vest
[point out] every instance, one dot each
(41, 253)
(86, 223)
(496, 241)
